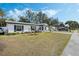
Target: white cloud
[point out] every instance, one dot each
(16, 12)
(50, 12)
(12, 14)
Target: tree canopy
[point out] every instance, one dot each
(2, 20)
(72, 24)
(2, 23)
(23, 19)
(39, 17)
(2, 12)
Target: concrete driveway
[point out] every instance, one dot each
(72, 48)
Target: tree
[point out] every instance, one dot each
(23, 19)
(1, 13)
(29, 15)
(54, 21)
(61, 24)
(10, 19)
(34, 18)
(40, 17)
(2, 20)
(72, 24)
(44, 18)
(2, 23)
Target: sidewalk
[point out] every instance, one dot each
(72, 48)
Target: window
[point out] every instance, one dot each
(32, 27)
(45, 27)
(18, 28)
(40, 27)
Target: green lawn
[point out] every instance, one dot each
(78, 30)
(27, 44)
(72, 31)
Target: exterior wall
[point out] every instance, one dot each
(37, 27)
(45, 28)
(27, 28)
(10, 28)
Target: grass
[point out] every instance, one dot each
(41, 44)
(72, 31)
(78, 30)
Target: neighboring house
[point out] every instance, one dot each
(59, 27)
(14, 26)
(53, 28)
(62, 28)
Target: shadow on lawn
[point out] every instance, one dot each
(32, 34)
(28, 33)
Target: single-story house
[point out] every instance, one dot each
(14, 26)
(65, 27)
(59, 27)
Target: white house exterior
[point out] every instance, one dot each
(42, 27)
(13, 26)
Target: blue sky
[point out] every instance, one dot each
(63, 11)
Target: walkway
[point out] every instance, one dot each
(72, 49)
